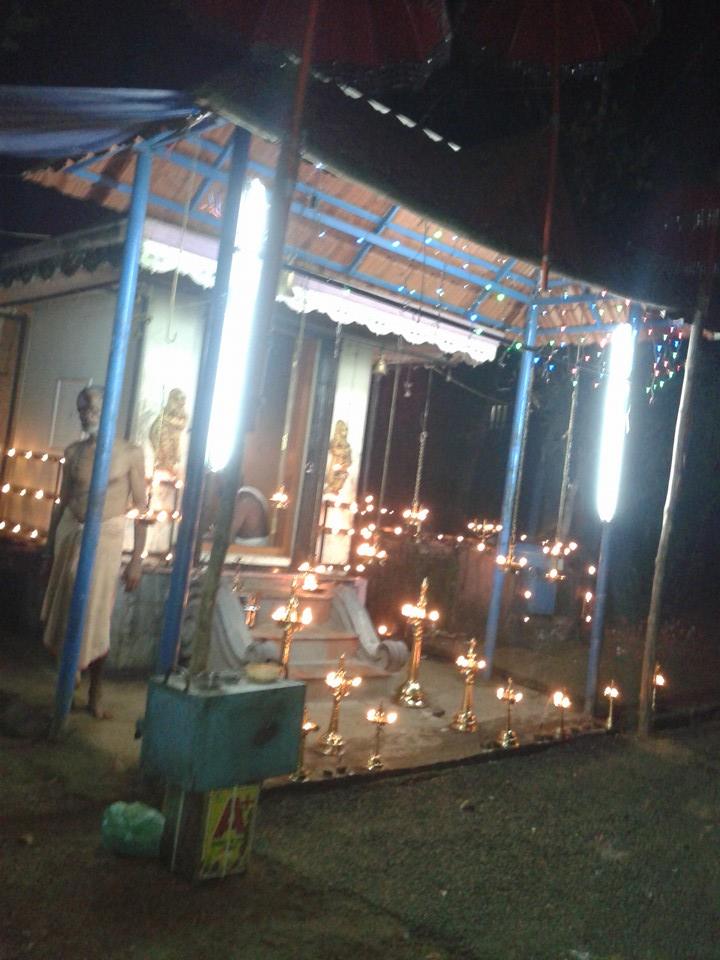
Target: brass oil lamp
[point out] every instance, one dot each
(468, 664)
(509, 739)
(309, 726)
(381, 718)
(410, 693)
(331, 743)
(291, 620)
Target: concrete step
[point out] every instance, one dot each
(273, 595)
(314, 646)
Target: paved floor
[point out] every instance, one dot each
(418, 738)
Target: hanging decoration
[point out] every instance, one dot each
(416, 514)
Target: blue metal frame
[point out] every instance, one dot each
(366, 247)
(488, 291)
(192, 492)
(468, 268)
(221, 158)
(512, 476)
(122, 327)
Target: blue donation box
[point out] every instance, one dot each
(212, 746)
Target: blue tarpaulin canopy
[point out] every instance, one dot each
(60, 122)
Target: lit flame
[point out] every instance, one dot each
(310, 582)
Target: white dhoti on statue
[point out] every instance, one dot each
(103, 586)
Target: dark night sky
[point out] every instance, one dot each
(627, 134)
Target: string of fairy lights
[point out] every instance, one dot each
(49, 495)
(559, 360)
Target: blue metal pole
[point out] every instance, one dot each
(512, 474)
(114, 377)
(194, 478)
(598, 621)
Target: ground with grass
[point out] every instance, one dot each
(602, 848)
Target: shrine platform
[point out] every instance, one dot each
(420, 738)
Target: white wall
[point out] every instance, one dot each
(351, 402)
(69, 339)
(171, 356)
(170, 359)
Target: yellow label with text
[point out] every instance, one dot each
(229, 823)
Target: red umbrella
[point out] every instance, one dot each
(552, 34)
(399, 38)
(680, 227)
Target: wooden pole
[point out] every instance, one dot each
(673, 490)
(285, 177)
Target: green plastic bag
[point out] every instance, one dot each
(133, 829)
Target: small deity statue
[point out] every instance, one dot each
(339, 459)
(166, 432)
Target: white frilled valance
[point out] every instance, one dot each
(344, 306)
(341, 305)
